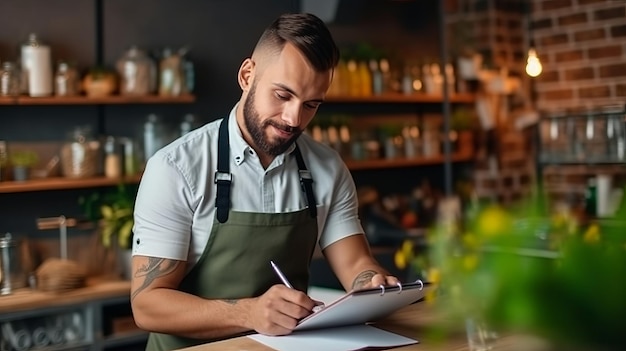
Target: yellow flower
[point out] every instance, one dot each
(493, 221)
(433, 276)
(400, 259)
(592, 235)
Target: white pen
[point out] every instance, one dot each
(281, 275)
(288, 284)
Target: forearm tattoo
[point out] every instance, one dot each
(363, 279)
(231, 301)
(155, 268)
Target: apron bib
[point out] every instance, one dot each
(236, 261)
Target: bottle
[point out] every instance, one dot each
(37, 64)
(66, 82)
(9, 79)
(112, 159)
(170, 74)
(153, 136)
(377, 78)
(365, 78)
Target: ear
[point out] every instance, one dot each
(245, 75)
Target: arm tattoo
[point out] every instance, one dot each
(156, 267)
(363, 279)
(231, 301)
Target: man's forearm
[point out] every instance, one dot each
(174, 312)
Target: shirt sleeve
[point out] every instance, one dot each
(163, 212)
(342, 219)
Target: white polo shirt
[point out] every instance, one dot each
(175, 205)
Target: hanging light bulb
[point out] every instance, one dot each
(533, 65)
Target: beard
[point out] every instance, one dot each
(257, 128)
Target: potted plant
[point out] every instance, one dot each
(21, 163)
(113, 213)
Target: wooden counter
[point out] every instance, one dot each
(416, 321)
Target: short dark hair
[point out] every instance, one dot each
(308, 33)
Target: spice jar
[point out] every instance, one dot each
(112, 159)
(79, 155)
(66, 81)
(137, 72)
(9, 79)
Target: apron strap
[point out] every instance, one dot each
(306, 181)
(223, 177)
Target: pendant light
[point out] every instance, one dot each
(533, 65)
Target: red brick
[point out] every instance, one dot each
(591, 34)
(605, 51)
(579, 74)
(618, 31)
(572, 55)
(606, 14)
(555, 39)
(620, 90)
(555, 4)
(616, 70)
(574, 18)
(595, 92)
(563, 94)
(549, 76)
(542, 23)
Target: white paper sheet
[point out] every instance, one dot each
(356, 337)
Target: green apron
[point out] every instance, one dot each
(236, 261)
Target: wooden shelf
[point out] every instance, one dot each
(400, 98)
(105, 100)
(406, 162)
(63, 184)
(60, 183)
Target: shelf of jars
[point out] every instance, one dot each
(400, 98)
(61, 183)
(461, 156)
(100, 100)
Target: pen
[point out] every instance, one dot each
(288, 284)
(281, 275)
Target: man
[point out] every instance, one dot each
(204, 239)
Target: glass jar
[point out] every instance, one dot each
(80, 154)
(137, 72)
(66, 80)
(9, 79)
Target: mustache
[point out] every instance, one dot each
(284, 127)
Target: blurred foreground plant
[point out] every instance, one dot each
(519, 271)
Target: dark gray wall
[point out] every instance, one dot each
(220, 33)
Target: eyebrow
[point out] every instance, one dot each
(292, 92)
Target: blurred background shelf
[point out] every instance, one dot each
(60, 183)
(104, 100)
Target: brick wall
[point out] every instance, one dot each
(582, 46)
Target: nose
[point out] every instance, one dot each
(291, 115)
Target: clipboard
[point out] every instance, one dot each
(366, 305)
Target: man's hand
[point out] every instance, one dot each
(279, 309)
(372, 279)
